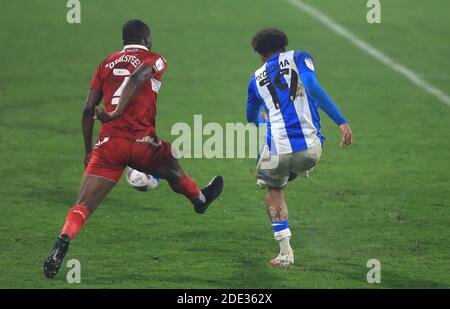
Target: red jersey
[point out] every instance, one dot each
(138, 119)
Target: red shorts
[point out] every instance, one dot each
(112, 154)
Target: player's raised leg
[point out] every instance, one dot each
(181, 182)
(93, 190)
(154, 156)
(278, 213)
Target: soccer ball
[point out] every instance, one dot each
(141, 181)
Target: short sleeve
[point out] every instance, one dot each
(159, 63)
(97, 79)
(304, 62)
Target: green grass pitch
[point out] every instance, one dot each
(385, 197)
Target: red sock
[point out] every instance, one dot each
(188, 187)
(75, 219)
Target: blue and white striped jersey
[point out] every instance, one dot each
(293, 117)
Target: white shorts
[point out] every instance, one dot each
(275, 169)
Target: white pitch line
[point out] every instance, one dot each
(409, 74)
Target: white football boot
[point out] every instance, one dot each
(283, 260)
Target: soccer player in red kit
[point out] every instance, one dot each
(128, 82)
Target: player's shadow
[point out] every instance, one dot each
(226, 265)
(244, 267)
(57, 195)
(256, 272)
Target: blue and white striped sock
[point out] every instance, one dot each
(282, 234)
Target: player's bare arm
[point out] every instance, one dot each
(142, 74)
(93, 98)
(130, 140)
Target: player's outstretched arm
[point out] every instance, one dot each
(93, 99)
(319, 96)
(142, 74)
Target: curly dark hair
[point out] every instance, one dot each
(269, 40)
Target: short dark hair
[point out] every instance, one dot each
(269, 40)
(134, 30)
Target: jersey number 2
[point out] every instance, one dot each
(126, 74)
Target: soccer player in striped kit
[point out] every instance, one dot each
(287, 88)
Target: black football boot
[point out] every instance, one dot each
(211, 192)
(56, 256)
